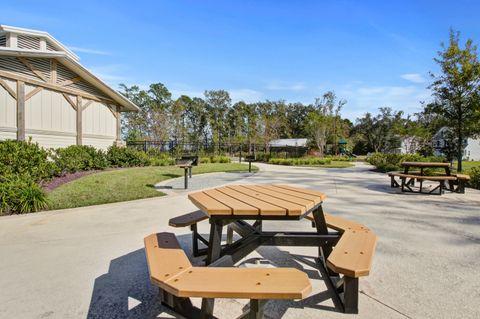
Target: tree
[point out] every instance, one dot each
(322, 122)
(218, 102)
(381, 132)
(456, 91)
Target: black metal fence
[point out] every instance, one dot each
(208, 149)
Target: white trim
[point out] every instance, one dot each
(47, 132)
(8, 129)
(42, 34)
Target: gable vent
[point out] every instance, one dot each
(50, 47)
(3, 40)
(28, 42)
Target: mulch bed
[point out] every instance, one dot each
(59, 181)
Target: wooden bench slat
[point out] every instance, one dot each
(309, 204)
(280, 190)
(292, 208)
(171, 270)
(263, 207)
(353, 254)
(188, 219)
(238, 207)
(247, 283)
(463, 177)
(303, 190)
(425, 177)
(338, 223)
(208, 204)
(165, 257)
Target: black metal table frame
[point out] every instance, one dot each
(252, 236)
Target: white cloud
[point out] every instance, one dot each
(363, 99)
(246, 95)
(89, 51)
(413, 77)
(110, 73)
(282, 86)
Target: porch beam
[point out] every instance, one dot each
(54, 87)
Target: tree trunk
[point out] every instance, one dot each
(459, 152)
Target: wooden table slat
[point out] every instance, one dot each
(264, 207)
(238, 207)
(292, 208)
(209, 205)
(321, 195)
(309, 204)
(425, 164)
(281, 191)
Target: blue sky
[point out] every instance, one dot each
(371, 53)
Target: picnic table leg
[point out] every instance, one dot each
(215, 242)
(350, 295)
(321, 226)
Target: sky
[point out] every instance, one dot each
(371, 53)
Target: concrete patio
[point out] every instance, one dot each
(89, 262)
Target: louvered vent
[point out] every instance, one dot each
(3, 40)
(28, 42)
(43, 65)
(50, 47)
(15, 66)
(64, 74)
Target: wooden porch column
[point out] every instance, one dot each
(79, 120)
(20, 111)
(119, 123)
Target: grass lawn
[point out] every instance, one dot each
(467, 165)
(124, 184)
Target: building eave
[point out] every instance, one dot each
(75, 66)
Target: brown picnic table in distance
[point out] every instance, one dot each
(421, 177)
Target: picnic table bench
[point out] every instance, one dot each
(171, 270)
(349, 252)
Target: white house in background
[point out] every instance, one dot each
(470, 153)
(299, 142)
(408, 145)
(47, 95)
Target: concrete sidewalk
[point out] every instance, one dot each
(89, 262)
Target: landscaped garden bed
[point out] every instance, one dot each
(28, 172)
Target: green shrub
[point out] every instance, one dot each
(392, 162)
(262, 157)
(20, 195)
(79, 158)
(25, 159)
(215, 159)
(300, 161)
(474, 177)
(126, 157)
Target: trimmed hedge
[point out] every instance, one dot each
(215, 159)
(79, 158)
(300, 161)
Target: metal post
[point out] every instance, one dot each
(249, 166)
(190, 172)
(186, 177)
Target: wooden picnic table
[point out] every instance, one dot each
(233, 205)
(243, 208)
(423, 165)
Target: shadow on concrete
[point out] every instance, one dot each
(126, 292)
